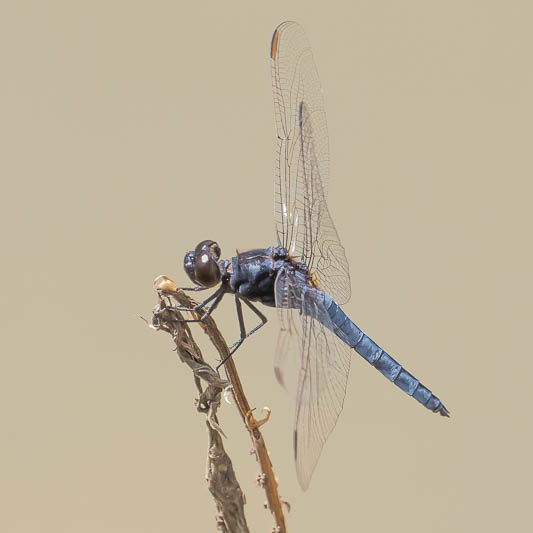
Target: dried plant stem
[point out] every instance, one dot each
(221, 478)
(223, 485)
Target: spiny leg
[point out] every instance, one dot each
(216, 296)
(197, 306)
(242, 327)
(261, 316)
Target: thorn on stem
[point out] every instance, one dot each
(253, 423)
(286, 504)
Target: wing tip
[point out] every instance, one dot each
(303, 480)
(304, 484)
(275, 37)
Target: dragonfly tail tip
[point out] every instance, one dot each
(443, 411)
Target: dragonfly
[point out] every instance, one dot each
(306, 275)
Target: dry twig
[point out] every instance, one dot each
(221, 478)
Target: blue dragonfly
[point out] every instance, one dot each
(306, 275)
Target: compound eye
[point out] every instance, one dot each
(188, 265)
(202, 266)
(209, 247)
(215, 250)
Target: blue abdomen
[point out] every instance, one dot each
(381, 360)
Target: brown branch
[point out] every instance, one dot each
(223, 485)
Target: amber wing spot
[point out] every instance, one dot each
(274, 44)
(314, 281)
(279, 376)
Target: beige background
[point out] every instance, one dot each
(132, 130)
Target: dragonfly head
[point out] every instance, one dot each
(201, 264)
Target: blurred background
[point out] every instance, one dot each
(132, 130)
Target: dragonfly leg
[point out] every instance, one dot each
(216, 296)
(242, 327)
(261, 316)
(195, 288)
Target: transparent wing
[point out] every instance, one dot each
(303, 222)
(312, 363)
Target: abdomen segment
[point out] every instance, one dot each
(382, 361)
